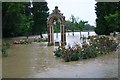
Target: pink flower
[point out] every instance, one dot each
(87, 42)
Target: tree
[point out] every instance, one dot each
(13, 18)
(75, 24)
(80, 25)
(68, 25)
(114, 20)
(27, 21)
(88, 27)
(40, 14)
(26, 25)
(72, 24)
(104, 9)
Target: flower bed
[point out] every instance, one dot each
(91, 48)
(40, 39)
(29, 41)
(24, 41)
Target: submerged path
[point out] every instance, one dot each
(36, 60)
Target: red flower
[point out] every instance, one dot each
(78, 49)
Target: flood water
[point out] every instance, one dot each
(37, 60)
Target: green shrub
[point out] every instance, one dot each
(97, 45)
(58, 52)
(4, 52)
(66, 56)
(5, 47)
(75, 55)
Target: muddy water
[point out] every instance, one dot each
(36, 60)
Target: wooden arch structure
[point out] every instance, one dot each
(56, 15)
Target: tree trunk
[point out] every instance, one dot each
(80, 34)
(88, 33)
(27, 36)
(41, 35)
(73, 33)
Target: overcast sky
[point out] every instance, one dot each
(84, 9)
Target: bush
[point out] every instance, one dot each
(4, 52)
(75, 56)
(5, 47)
(96, 45)
(58, 52)
(89, 52)
(66, 55)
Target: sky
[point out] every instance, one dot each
(84, 9)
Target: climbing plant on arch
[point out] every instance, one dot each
(56, 16)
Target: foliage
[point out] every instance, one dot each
(81, 24)
(94, 46)
(40, 14)
(12, 18)
(58, 52)
(27, 22)
(107, 17)
(88, 27)
(19, 18)
(5, 47)
(88, 51)
(57, 27)
(114, 20)
(104, 44)
(74, 24)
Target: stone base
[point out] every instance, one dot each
(63, 44)
(50, 44)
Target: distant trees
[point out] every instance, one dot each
(80, 25)
(108, 17)
(72, 23)
(18, 18)
(56, 25)
(76, 25)
(88, 27)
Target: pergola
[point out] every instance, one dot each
(55, 16)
